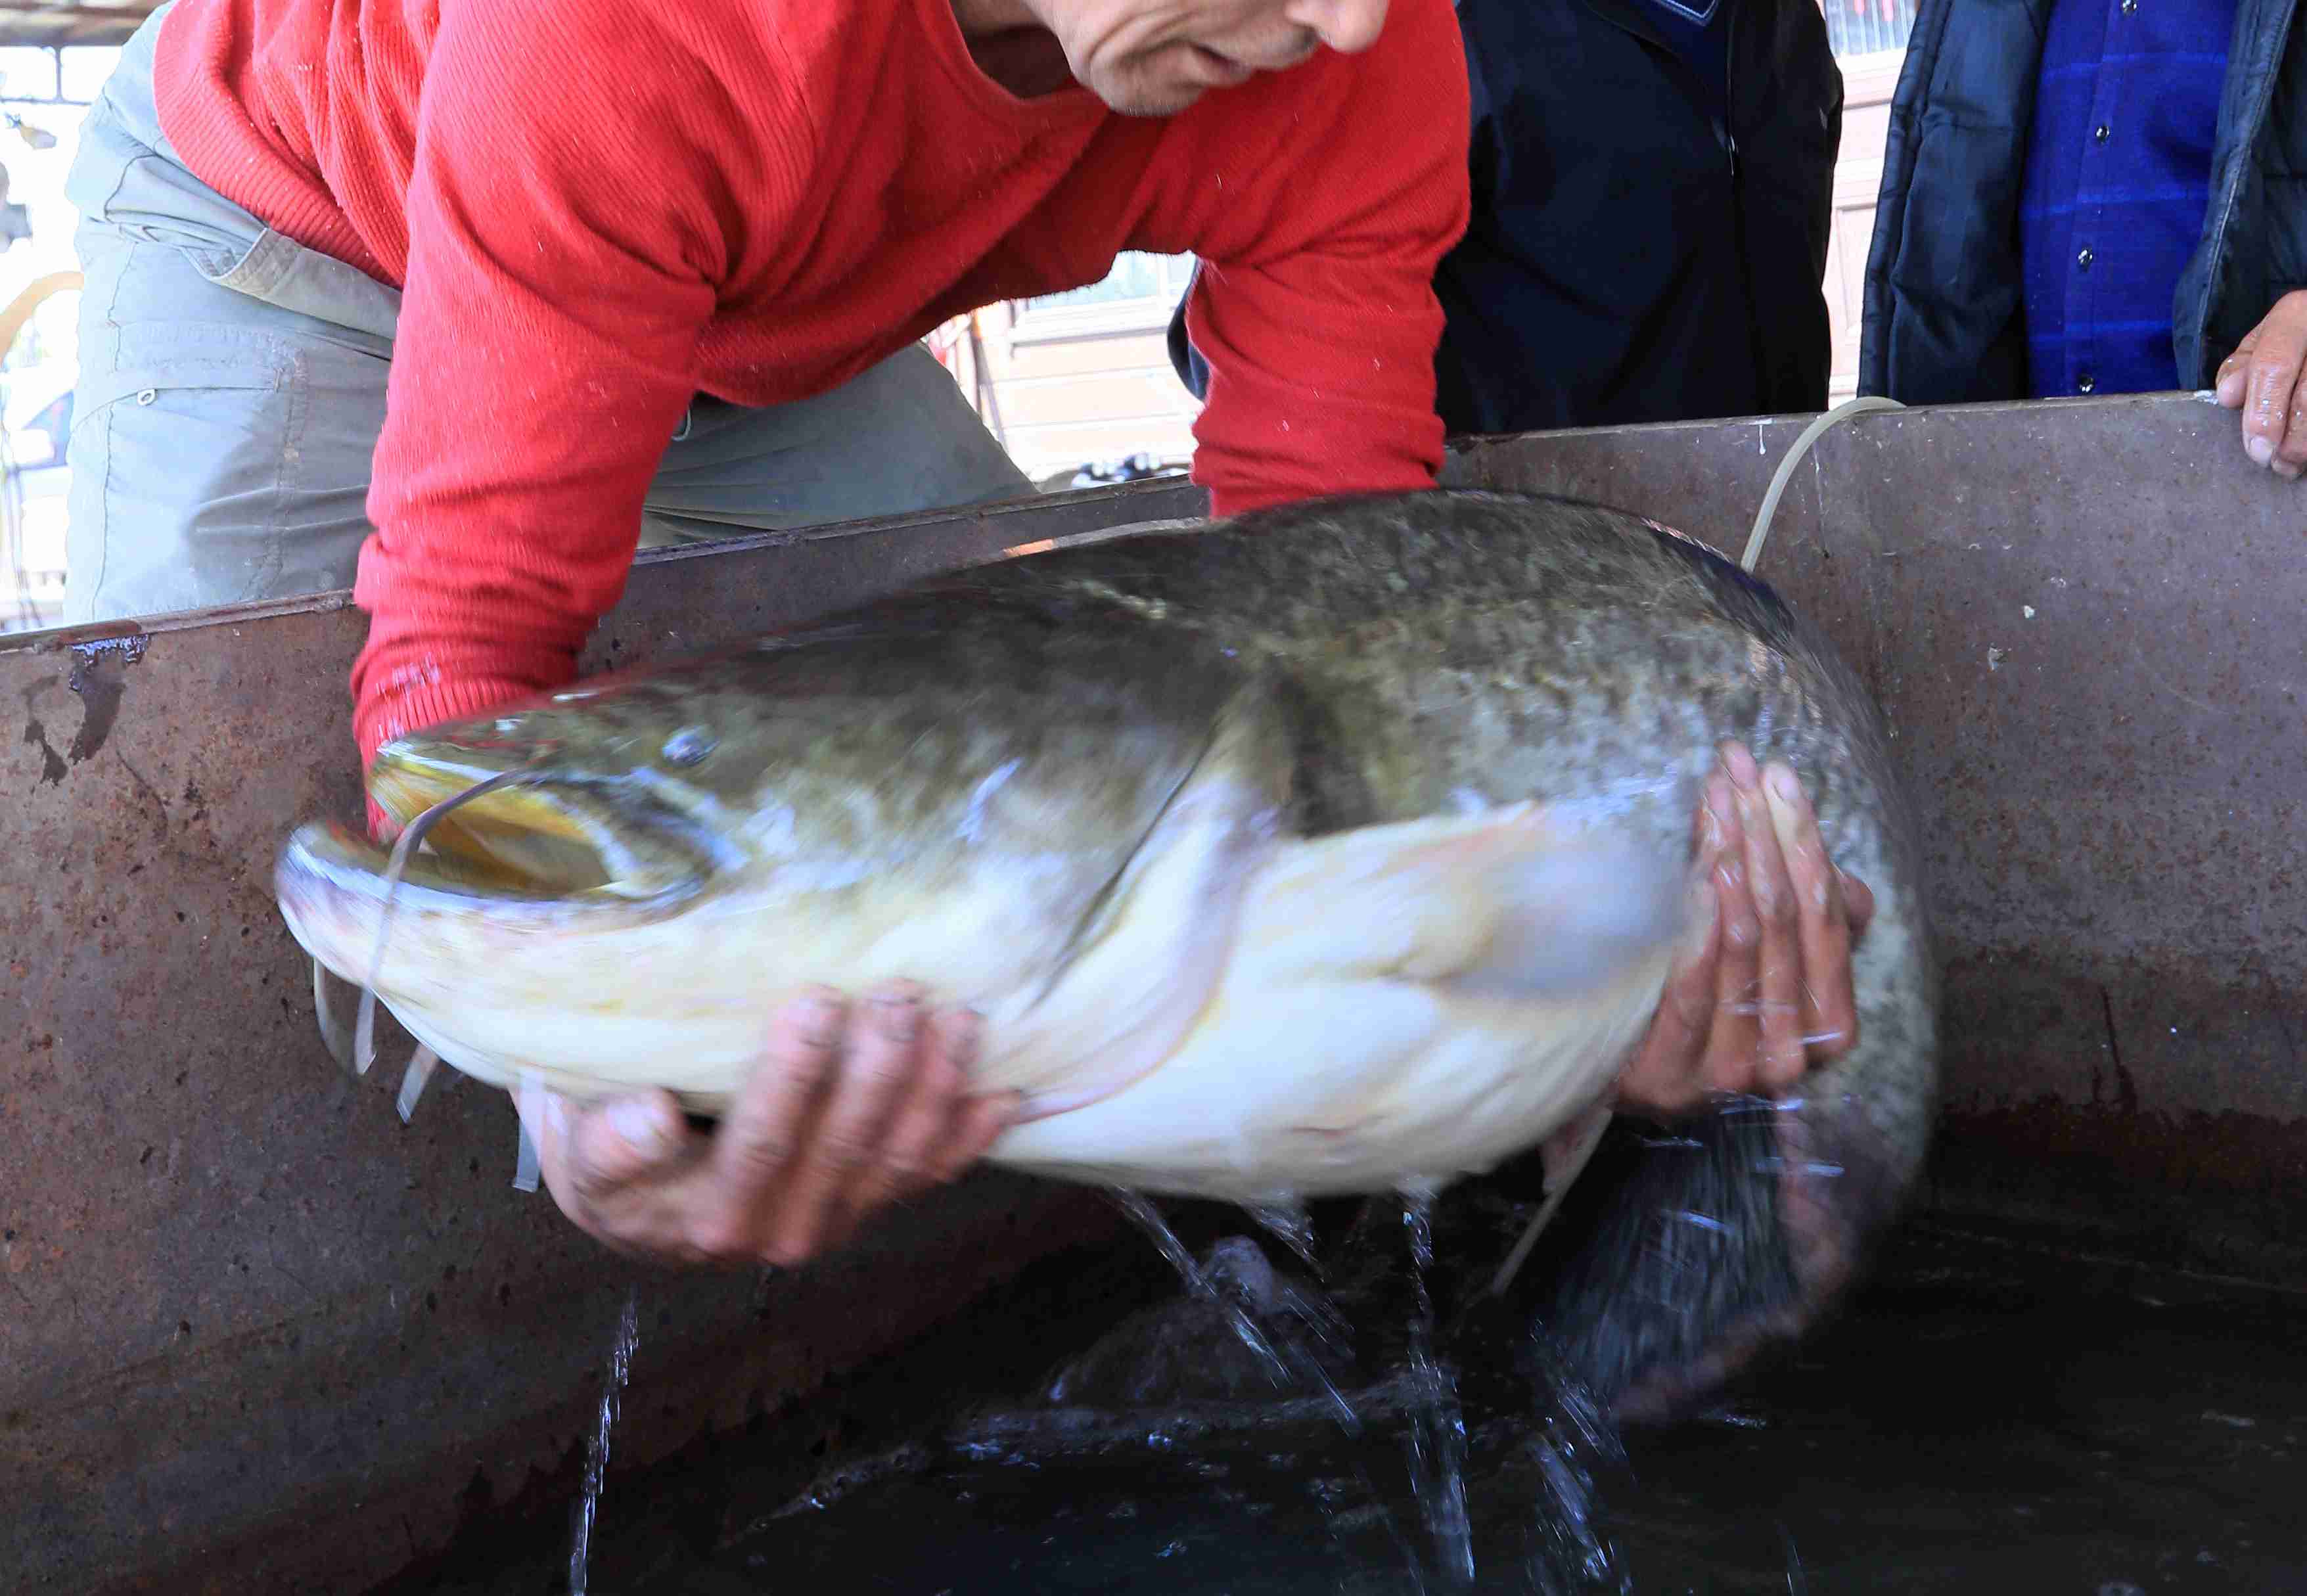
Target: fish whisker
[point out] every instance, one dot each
(333, 1037)
(403, 846)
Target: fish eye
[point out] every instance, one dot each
(688, 746)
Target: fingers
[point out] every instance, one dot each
(2261, 378)
(2273, 434)
(964, 1127)
(981, 1123)
(1766, 992)
(763, 1131)
(1828, 1015)
(1857, 902)
(1782, 1058)
(924, 1122)
(2229, 383)
(608, 1166)
(840, 1158)
(883, 1130)
(1663, 1075)
(1734, 1037)
(617, 1143)
(766, 1128)
(942, 1129)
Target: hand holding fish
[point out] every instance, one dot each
(854, 1109)
(1768, 993)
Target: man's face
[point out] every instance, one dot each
(1155, 57)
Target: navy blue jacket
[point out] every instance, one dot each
(1633, 255)
(1945, 297)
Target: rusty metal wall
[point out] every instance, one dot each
(236, 1295)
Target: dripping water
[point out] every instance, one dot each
(1277, 1368)
(1438, 1433)
(1288, 1222)
(597, 1459)
(1285, 1220)
(1572, 1440)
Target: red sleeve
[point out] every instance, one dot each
(567, 227)
(1320, 338)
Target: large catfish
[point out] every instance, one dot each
(1338, 848)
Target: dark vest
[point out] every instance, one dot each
(1645, 244)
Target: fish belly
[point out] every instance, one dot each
(1404, 1005)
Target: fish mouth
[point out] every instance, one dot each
(481, 853)
(505, 839)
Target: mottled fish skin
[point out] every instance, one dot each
(1398, 656)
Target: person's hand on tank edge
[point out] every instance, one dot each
(856, 1107)
(1766, 992)
(2262, 379)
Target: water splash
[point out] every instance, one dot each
(1572, 1439)
(1277, 1368)
(1438, 1431)
(1285, 1219)
(1334, 1518)
(597, 1459)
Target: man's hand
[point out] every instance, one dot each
(2261, 378)
(849, 1113)
(1768, 992)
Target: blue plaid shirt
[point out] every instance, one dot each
(2118, 176)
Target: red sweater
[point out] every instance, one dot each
(596, 207)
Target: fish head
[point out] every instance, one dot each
(600, 806)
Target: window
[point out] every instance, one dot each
(1868, 27)
(1139, 294)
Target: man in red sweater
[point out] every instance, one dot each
(462, 302)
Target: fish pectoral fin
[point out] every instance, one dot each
(1515, 903)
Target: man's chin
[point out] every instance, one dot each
(1140, 99)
